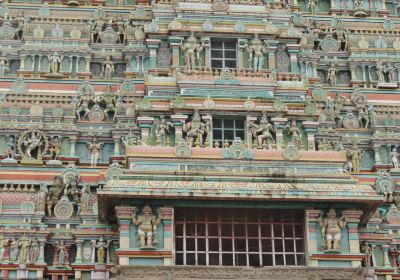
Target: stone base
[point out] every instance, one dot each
(9, 161)
(394, 171)
(332, 251)
(53, 162)
(28, 161)
(100, 272)
(386, 85)
(230, 273)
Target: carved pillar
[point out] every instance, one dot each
(72, 140)
(280, 124)
(377, 156)
(207, 52)
(241, 43)
(373, 262)
(249, 135)
(124, 215)
(175, 45)
(314, 68)
(168, 222)
(386, 260)
(116, 145)
(383, 5)
(153, 45)
(333, 4)
(178, 121)
(208, 142)
(311, 129)
(353, 219)
(353, 72)
(40, 259)
(273, 45)
(22, 65)
(79, 244)
(39, 64)
(364, 75)
(293, 50)
(145, 124)
(312, 220)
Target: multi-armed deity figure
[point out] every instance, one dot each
(101, 247)
(331, 229)
(83, 102)
(395, 158)
(354, 156)
(54, 147)
(196, 130)
(54, 194)
(121, 30)
(339, 102)
(192, 50)
(55, 62)
(62, 253)
(294, 133)
(257, 50)
(162, 131)
(31, 142)
(129, 140)
(14, 249)
(262, 133)
(110, 99)
(147, 226)
(9, 150)
(25, 244)
(96, 28)
(108, 68)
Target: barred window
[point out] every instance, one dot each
(228, 237)
(228, 128)
(223, 54)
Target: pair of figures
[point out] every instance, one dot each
(262, 133)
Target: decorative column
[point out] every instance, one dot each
(273, 45)
(167, 214)
(242, 44)
(312, 220)
(116, 145)
(145, 124)
(377, 156)
(22, 63)
(124, 215)
(386, 260)
(314, 69)
(87, 64)
(280, 124)
(249, 135)
(153, 45)
(207, 52)
(79, 244)
(40, 259)
(364, 75)
(293, 50)
(175, 42)
(72, 141)
(178, 121)
(311, 128)
(353, 72)
(353, 219)
(209, 141)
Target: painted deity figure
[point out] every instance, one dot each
(21, 25)
(312, 5)
(55, 147)
(54, 194)
(83, 103)
(108, 68)
(331, 228)
(94, 148)
(25, 244)
(367, 251)
(121, 30)
(96, 29)
(356, 155)
(110, 99)
(129, 140)
(196, 130)
(31, 143)
(62, 253)
(358, 4)
(14, 249)
(74, 193)
(163, 129)
(3, 246)
(342, 38)
(55, 61)
(395, 158)
(332, 74)
(3, 63)
(191, 49)
(262, 133)
(380, 71)
(257, 50)
(363, 116)
(9, 150)
(294, 132)
(101, 247)
(147, 226)
(34, 251)
(339, 102)
(391, 72)
(372, 116)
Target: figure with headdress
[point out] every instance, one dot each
(147, 226)
(191, 49)
(331, 229)
(257, 51)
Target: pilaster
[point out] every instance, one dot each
(145, 124)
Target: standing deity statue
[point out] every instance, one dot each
(21, 25)
(83, 103)
(121, 30)
(380, 71)
(262, 133)
(110, 100)
(363, 116)
(257, 50)
(14, 249)
(3, 64)
(94, 148)
(34, 251)
(372, 116)
(3, 246)
(9, 150)
(62, 253)
(331, 228)
(192, 50)
(101, 247)
(312, 5)
(31, 143)
(73, 192)
(342, 38)
(25, 244)
(196, 130)
(294, 132)
(339, 102)
(355, 154)
(54, 194)
(391, 72)
(108, 68)
(147, 226)
(55, 147)
(55, 62)
(96, 29)
(162, 131)
(395, 158)
(332, 74)
(367, 251)
(330, 109)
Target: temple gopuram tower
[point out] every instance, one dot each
(200, 139)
